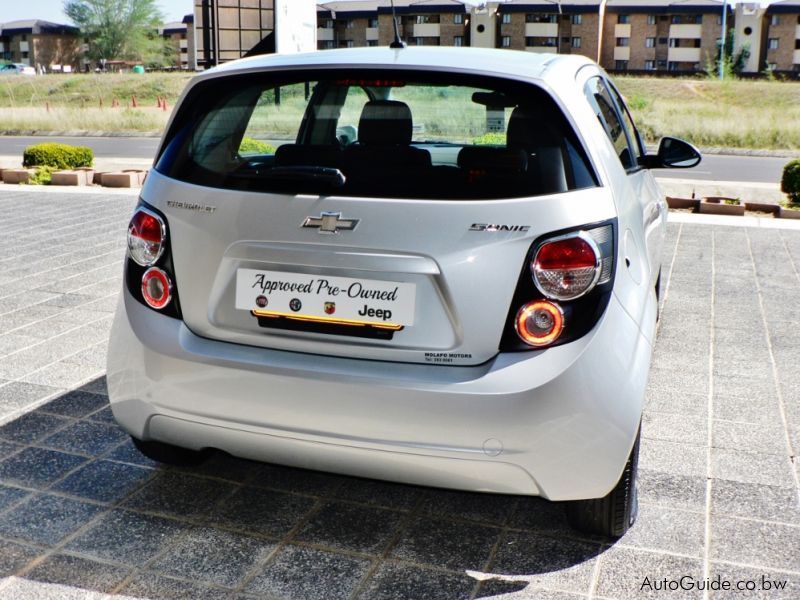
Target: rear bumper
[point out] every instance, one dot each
(558, 423)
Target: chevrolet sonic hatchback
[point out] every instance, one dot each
(432, 266)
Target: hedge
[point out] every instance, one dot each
(60, 156)
(790, 182)
(252, 146)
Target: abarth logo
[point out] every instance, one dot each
(295, 304)
(261, 301)
(330, 223)
(330, 308)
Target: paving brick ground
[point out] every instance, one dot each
(82, 515)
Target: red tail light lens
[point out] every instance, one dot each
(147, 235)
(156, 288)
(539, 323)
(566, 268)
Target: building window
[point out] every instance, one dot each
(623, 42)
(327, 24)
(623, 19)
(650, 43)
(373, 23)
(541, 18)
(328, 45)
(772, 44)
(372, 42)
(350, 24)
(458, 41)
(774, 20)
(719, 20)
(577, 19)
(797, 44)
(673, 66)
(506, 18)
(541, 42)
(24, 37)
(458, 19)
(424, 19)
(649, 65)
(576, 42)
(676, 19)
(350, 43)
(505, 41)
(621, 65)
(662, 41)
(24, 55)
(651, 19)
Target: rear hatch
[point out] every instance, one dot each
(356, 216)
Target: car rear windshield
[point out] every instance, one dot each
(377, 134)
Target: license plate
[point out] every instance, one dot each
(343, 300)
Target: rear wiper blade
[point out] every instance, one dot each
(324, 175)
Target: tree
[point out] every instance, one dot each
(117, 29)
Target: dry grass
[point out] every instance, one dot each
(737, 114)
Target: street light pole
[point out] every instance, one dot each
(724, 36)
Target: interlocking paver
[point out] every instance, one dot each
(83, 514)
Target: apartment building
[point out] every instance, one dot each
(41, 44)
(783, 37)
(661, 35)
(180, 34)
(229, 29)
(347, 24)
(569, 27)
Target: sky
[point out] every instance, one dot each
(50, 10)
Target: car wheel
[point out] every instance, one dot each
(614, 514)
(169, 454)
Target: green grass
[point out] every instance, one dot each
(735, 114)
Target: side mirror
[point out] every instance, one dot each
(673, 154)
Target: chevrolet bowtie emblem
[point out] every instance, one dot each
(330, 222)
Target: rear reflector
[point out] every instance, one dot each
(539, 323)
(156, 288)
(146, 236)
(568, 267)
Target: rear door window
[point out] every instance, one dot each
(366, 133)
(600, 99)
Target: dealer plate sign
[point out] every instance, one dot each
(340, 299)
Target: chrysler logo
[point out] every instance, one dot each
(330, 222)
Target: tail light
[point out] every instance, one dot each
(149, 271)
(539, 323)
(147, 236)
(156, 288)
(563, 288)
(566, 268)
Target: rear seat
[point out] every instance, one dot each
(296, 155)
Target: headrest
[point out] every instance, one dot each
(528, 129)
(493, 160)
(385, 123)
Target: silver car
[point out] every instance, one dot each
(437, 266)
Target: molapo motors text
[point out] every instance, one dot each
(687, 583)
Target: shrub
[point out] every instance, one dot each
(790, 182)
(253, 146)
(60, 156)
(43, 176)
(490, 139)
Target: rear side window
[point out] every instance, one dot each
(599, 97)
(377, 134)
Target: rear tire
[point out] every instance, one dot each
(614, 514)
(169, 454)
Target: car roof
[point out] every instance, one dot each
(509, 63)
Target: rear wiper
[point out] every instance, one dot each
(323, 175)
